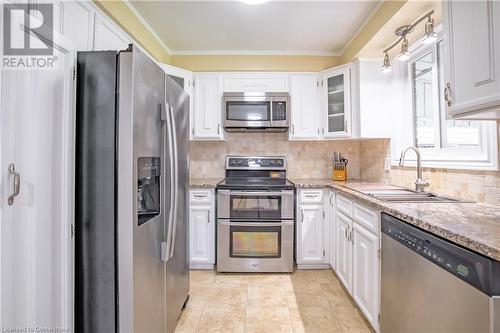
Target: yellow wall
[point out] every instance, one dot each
(369, 42)
(201, 63)
(128, 21)
(376, 22)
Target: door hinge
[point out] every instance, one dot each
(379, 253)
(324, 253)
(192, 131)
(379, 317)
(323, 214)
(74, 73)
(72, 231)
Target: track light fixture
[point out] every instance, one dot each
(402, 32)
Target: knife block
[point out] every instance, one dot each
(340, 171)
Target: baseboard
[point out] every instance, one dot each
(202, 266)
(314, 266)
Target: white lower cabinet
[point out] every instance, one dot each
(344, 250)
(202, 229)
(357, 254)
(366, 272)
(311, 236)
(329, 203)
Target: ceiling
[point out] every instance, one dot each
(276, 27)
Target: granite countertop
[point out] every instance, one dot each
(204, 182)
(472, 225)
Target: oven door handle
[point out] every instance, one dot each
(257, 193)
(257, 224)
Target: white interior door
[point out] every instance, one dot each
(36, 246)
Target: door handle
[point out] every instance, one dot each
(447, 94)
(166, 246)
(302, 215)
(17, 184)
(345, 234)
(176, 181)
(331, 197)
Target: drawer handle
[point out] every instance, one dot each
(311, 195)
(201, 196)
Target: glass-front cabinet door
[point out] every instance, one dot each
(337, 102)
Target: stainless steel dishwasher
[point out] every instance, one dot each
(430, 285)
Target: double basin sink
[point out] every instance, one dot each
(404, 195)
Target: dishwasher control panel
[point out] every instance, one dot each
(470, 267)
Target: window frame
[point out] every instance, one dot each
(484, 157)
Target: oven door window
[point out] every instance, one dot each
(255, 207)
(255, 242)
(248, 111)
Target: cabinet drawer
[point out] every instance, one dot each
(366, 217)
(344, 205)
(200, 196)
(310, 196)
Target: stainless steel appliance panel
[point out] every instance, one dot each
(421, 297)
(277, 204)
(431, 285)
(256, 111)
(177, 266)
(228, 261)
(146, 97)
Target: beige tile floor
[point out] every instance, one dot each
(307, 301)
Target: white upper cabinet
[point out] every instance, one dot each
(186, 80)
(256, 82)
(207, 122)
(472, 70)
(371, 107)
(77, 23)
(107, 36)
(304, 104)
(336, 108)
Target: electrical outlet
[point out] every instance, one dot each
(387, 164)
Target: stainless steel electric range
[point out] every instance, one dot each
(255, 216)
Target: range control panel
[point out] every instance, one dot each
(466, 265)
(259, 163)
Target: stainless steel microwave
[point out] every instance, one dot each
(256, 112)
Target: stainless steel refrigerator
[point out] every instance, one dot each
(131, 227)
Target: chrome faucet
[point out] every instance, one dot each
(420, 184)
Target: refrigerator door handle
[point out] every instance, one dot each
(176, 180)
(168, 140)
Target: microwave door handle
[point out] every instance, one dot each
(271, 108)
(176, 181)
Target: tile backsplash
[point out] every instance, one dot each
(478, 186)
(313, 159)
(306, 159)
